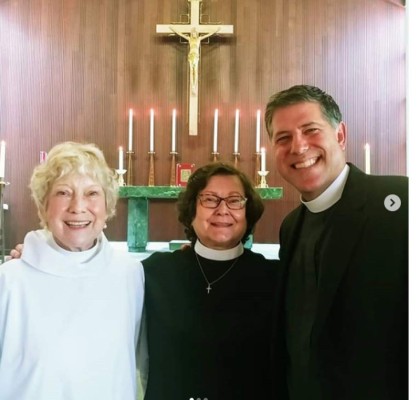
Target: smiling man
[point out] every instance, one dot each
(345, 253)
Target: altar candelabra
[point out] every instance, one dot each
(263, 183)
(151, 176)
(257, 168)
(172, 181)
(129, 167)
(236, 159)
(215, 155)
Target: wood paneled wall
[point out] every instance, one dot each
(71, 69)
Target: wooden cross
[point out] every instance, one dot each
(194, 32)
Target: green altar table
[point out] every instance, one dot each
(138, 209)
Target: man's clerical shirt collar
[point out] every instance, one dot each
(331, 195)
(218, 255)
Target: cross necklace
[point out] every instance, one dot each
(209, 284)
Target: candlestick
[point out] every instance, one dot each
(120, 157)
(257, 168)
(263, 175)
(263, 160)
(215, 155)
(236, 148)
(258, 131)
(42, 156)
(174, 122)
(151, 176)
(236, 159)
(120, 173)
(172, 181)
(2, 158)
(129, 168)
(216, 120)
(367, 158)
(130, 141)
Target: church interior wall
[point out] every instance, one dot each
(70, 70)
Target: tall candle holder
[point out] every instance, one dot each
(3, 185)
(172, 181)
(151, 177)
(236, 159)
(120, 173)
(215, 155)
(129, 167)
(263, 175)
(257, 168)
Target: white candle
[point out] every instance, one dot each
(130, 143)
(2, 158)
(236, 148)
(258, 130)
(263, 160)
(151, 132)
(367, 158)
(216, 120)
(174, 122)
(120, 158)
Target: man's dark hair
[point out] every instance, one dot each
(303, 94)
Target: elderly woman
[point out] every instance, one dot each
(70, 308)
(209, 307)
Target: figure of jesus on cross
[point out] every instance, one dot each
(194, 32)
(194, 39)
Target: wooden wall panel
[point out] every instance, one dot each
(71, 69)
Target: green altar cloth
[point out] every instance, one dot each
(138, 209)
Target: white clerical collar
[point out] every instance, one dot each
(331, 195)
(218, 255)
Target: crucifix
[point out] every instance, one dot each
(194, 32)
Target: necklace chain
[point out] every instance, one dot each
(209, 284)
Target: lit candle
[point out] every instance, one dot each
(120, 158)
(367, 158)
(216, 120)
(130, 143)
(151, 132)
(174, 122)
(263, 160)
(2, 158)
(258, 130)
(236, 149)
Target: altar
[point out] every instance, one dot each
(138, 198)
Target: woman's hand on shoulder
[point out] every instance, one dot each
(17, 251)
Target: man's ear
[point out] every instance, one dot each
(341, 135)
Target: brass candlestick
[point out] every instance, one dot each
(257, 168)
(151, 177)
(173, 167)
(129, 167)
(236, 159)
(215, 154)
(263, 175)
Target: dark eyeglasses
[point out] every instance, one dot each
(213, 201)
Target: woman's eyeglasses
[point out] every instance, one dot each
(213, 201)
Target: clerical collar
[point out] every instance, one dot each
(218, 255)
(331, 195)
